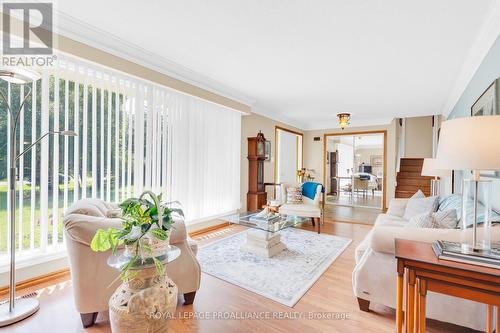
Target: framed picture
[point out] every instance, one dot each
(267, 148)
(488, 104)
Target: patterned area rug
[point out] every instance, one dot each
(284, 278)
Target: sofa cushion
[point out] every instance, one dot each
(397, 207)
(390, 220)
(417, 206)
(303, 210)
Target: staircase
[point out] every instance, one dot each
(409, 179)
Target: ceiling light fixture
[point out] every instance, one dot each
(343, 119)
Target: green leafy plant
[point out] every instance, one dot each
(141, 217)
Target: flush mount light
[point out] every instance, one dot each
(343, 119)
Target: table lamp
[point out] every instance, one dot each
(472, 143)
(429, 169)
(17, 309)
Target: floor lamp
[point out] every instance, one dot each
(473, 144)
(18, 309)
(429, 169)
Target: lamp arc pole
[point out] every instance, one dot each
(18, 309)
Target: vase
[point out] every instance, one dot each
(143, 304)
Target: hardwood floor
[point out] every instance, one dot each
(332, 293)
(348, 214)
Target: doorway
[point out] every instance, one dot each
(355, 169)
(289, 155)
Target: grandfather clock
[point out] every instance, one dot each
(256, 196)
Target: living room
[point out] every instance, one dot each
(225, 166)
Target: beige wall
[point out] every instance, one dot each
(250, 126)
(313, 152)
(418, 137)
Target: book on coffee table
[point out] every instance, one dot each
(265, 219)
(453, 251)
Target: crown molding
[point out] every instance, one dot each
(71, 27)
(256, 109)
(480, 48)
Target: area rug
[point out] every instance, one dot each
(284, 278)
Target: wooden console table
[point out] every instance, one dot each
(421, 271)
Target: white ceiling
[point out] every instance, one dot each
(299, 61)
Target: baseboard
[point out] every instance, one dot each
(4, 291)
(209, 229)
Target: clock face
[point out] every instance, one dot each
(260, 148)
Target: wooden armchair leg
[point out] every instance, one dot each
(364, 305)
(189, 298)
(88, 319)
(313, 221)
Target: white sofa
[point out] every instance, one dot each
(374, 277)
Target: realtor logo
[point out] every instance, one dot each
(35, 32)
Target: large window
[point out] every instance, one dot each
(132, 135)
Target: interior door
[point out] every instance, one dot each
(289, 156)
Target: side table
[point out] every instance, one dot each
(422, 271)
(146, 302)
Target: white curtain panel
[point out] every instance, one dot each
(205, 168)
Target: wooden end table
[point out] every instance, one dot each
(421, 271)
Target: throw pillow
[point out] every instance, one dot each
(294, 195)
(446, 219)
(425, 220)
(417, 206)
(438, 220)
(418, 194)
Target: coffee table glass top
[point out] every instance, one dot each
(245, 219)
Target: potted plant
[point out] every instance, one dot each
(145, 232)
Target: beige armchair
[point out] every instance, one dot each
(93, 280)
(312, 208)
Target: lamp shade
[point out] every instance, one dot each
(429, 169)
(471, 143)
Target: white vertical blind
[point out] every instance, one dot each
(21, 174)
(44, 164)
(132, 135)
(55, 166)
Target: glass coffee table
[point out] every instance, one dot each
(263, 238)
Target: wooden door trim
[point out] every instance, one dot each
(384, 132)
(276, 128)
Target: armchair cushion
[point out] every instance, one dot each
(303, 210)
